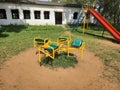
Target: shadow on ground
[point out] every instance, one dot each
(61, 60)
(13, 28)
(3, 35)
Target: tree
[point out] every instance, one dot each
(74, 1)
(111, 9)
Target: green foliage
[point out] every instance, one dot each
(1, 29)
(111, 9)
(74, 1)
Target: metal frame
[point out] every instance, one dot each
(63, 44)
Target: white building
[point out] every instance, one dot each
(35, 12)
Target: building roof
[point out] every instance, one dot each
(41, 3)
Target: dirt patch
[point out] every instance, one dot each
(23, 72)
(109, 43)
(67, 33)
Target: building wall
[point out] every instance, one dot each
(67, 14)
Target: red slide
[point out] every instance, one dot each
(114, 32)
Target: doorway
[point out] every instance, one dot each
(58, 17)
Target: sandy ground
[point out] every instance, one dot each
(114, 44)
(22, 72)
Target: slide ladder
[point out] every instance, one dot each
(79, 20)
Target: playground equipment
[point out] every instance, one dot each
(76, 44)
(63, 44)
(79, 20)
(113, 31)
(89, 9)
(86, 20)
(83, 16)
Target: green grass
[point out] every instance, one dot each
(60, 61)
(15, 39)
(108, 53)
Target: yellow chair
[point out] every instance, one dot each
(40, 41)
(63, 41)
(76, 44)
(49, 49)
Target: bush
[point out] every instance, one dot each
(1, 30)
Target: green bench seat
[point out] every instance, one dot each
(52, 46)
(39, 41)
(76, 43)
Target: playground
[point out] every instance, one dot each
(96, 56)
(89, 73)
